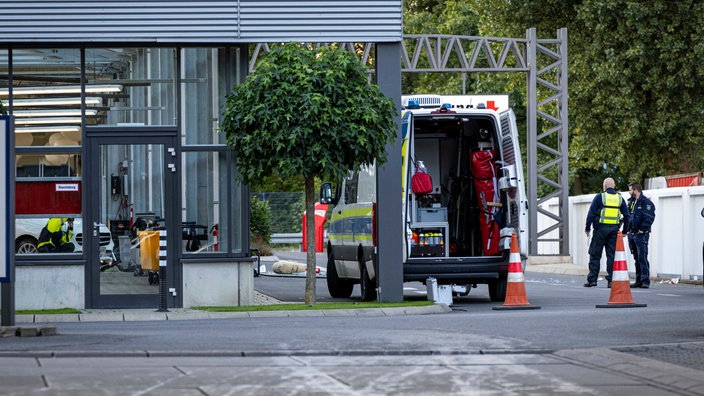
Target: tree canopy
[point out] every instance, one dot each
(311, 113)
(307, 112)
(636, 97)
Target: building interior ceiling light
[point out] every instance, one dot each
(61, 89)
(53, 113)
(48, 120)
(54, 102)
(56, 128)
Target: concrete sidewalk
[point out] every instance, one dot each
(598, 371)
(124, 315)
(560, 265)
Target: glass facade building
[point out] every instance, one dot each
(81, 117)
(116, 111)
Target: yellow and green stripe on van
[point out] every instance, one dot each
(351, 223)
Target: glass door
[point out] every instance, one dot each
(132, 201)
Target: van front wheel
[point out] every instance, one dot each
(497, 290)
(338, 288)
(366, 285)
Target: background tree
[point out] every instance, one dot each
(307, 113)
(635, 77)
(437, 17)
(638, 89)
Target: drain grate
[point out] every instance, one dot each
(689, 355)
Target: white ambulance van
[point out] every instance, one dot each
(463, 196)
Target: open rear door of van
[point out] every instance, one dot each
(512, 182)
(406, 139)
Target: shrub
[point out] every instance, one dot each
(260, 225)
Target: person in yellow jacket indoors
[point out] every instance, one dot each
(56, 235)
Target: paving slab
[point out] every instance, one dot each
(395, 311)
(55, 318)
(24, 318)
(8, 331)
(102, 317)
(227, 315)
(142, 315)
(203, 373)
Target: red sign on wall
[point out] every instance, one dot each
(48, 197)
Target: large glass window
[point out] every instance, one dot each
(4, 76)
(46, 105)
(206, 226)
(204, 85)
(212, 202)
(209, 224)
(48, 203)
(142, 83)
(54, 93)
(46, 97)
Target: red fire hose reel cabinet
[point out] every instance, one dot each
(320, 211)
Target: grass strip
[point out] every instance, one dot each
(318, 306)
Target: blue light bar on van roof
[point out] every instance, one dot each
(413, 104)
(446, 106)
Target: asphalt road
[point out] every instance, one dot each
(568, 318)
(568, 346)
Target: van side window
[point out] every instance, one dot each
(351, 188)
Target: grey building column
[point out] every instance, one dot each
(388, 184)
(242, 67)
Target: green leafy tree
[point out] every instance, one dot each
(310, 113)
(637, 89)
(260, 228)
(635, 82)
(450, 17)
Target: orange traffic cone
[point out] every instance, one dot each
(620, 284)
(515, 285)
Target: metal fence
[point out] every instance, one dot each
(286, 210)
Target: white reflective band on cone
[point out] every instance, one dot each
(515, 277)
(620, 276)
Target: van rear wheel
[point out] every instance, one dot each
(338, 288)
(497, 290)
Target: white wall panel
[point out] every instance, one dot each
(675, 242)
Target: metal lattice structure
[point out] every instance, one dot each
(545, 63)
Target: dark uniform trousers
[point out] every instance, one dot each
(642, 263)
(634, 251)
(604, 237)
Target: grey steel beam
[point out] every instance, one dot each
(531, 141)
(548, 148)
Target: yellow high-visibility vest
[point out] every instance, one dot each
(610, 213)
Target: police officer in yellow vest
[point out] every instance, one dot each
(55, 237)
(607, 213)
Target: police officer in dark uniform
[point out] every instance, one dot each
(642, 218)
(631, 237)
(605, 215)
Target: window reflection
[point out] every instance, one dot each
(122, 87)
(48, 204)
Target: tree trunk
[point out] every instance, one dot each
(577, 185)
(310, 241)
